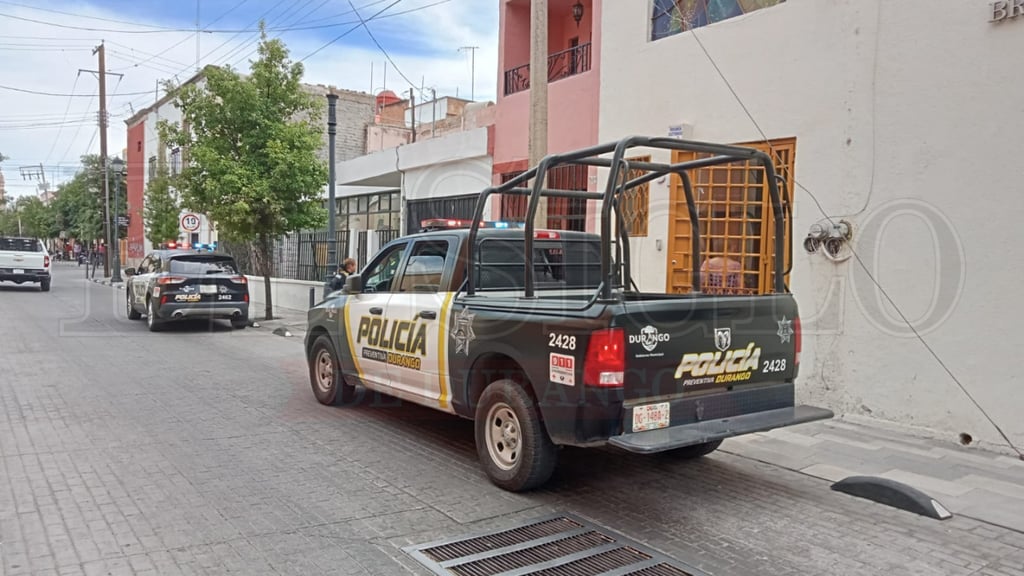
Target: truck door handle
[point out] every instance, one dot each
(428, 314)
(376, 311)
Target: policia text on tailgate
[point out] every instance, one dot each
(543, 338)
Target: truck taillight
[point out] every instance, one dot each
(797, 342)
(605, 363)
(46, 261)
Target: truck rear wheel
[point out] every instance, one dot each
(514, 448)
(325, 377)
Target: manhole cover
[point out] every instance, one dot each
(559, 545)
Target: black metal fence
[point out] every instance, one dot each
(313, 249)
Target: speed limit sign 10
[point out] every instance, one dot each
(190, 222)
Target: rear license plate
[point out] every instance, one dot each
(207, 289)
(19, 271)
(650, 416)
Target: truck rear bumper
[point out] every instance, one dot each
(651, 441)
(30, 275)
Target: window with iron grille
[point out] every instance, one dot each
(513, 208)
(670, 17)
(735, 222)
(175, 161)
(563, 213)
(634, 204)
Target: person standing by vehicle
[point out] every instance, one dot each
(348, 267)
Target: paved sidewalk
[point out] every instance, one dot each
(967, 481)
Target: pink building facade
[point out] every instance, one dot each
(573, 87)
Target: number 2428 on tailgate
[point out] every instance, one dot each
(650, 416)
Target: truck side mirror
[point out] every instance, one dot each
(353, 284)
(129, 271)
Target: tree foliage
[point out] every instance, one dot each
(79, 206)
(252, 144)
(161, 209)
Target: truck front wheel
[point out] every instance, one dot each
(325, 377)
(514, 448)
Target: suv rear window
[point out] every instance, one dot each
(199, 265)
(21, 245)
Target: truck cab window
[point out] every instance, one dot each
(424, 271)
(378, 276)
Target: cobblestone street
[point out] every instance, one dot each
(203, 451)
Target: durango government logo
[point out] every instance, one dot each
(649, 337)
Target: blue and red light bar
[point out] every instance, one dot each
(456, 223)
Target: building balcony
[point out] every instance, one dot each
(568, 62)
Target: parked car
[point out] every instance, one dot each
(24, 260)
(180, 284)
(543, 339)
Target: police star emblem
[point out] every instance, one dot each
(785, 330)
(462, 332)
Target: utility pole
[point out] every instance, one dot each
(538, 139)
(433, 111)
(103, 117)
(198, 35)
(332, 250)
(472, 66)
(412, 110)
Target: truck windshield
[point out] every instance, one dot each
(567, 264)
(20, 245)
(199, 265)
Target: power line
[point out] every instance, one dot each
(61, 95)
(385, 52)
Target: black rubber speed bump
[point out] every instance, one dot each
(893, 493)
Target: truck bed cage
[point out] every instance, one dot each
(614, 189)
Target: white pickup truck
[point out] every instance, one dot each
(24, 260)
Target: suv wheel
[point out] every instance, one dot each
(152, 322)
(514, 448)
(133, 314)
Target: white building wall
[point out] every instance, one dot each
(907, 126)
(170, 113)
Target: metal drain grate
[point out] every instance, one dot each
(560, 545)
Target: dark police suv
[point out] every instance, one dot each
(178, 284)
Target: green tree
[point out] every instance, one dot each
(162, 210)
(252, 145)
(78, 208)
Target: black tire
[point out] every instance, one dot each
(325, 377)
(133, 314)
(531, 460)
(239, 324)
(44, 285)
(152, 322)
(695, 451)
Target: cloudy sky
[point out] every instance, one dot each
(48, 109)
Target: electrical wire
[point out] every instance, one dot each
(857, 257)
(66, 110)
(308, 13)
(385, 52)
(350, 30)
(37, 93)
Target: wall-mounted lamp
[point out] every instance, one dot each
(577, 12)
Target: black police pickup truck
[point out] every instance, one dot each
(542, 338)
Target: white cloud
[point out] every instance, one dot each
(47, 59)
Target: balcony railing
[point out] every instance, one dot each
(570, 62)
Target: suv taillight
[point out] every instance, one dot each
(171, 280)
(797, 341)
(605, 363)
(239, 279)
